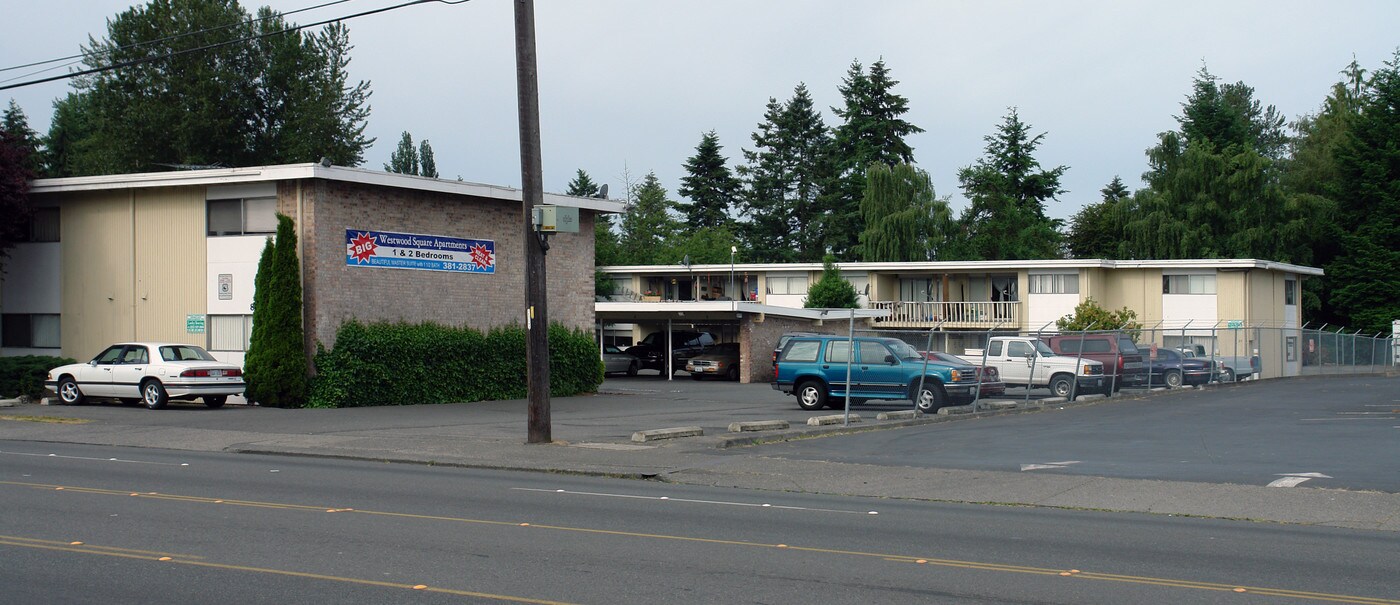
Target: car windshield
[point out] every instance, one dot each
(184, 353)
(904, 351)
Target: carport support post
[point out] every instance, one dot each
(666, 359)
(532, 194)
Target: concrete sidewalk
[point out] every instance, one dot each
(592, 436)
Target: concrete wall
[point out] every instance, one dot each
(757, 339)
(336, 293)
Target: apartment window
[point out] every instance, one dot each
(1290, 291)
(29, 331)
(1188, 284)
(916, 290)
(787, 285)
(242, 216)
(43, 226)
(230, 332)
(1061, 283)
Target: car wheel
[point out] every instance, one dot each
(153, 394)
(215, 403)
(1060, 386)
(931, 397)
(1173, 379)
(69, 393)
(1227, 375)
(632, 369)
(733, 374)
(811, 395)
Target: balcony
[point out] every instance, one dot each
(952, 315)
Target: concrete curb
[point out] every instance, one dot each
(832, 419)
(758, 425)
(900, 415)
(671, 433)
(999, 404)
(950, 410)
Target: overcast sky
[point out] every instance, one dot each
(630, 85)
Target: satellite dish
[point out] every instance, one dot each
(603, 191)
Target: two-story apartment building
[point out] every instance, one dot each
(1179, 301)
(171, 256)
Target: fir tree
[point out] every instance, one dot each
(785, 174)
(710, 186)
(832, 291)
(648, 227)
(1096, 230)
(279, 353)
(1006, 217)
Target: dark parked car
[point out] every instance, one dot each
(684, 345)
(1172, 369)
(992, 386)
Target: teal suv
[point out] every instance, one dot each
(814, 368)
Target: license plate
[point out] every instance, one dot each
(215, 373)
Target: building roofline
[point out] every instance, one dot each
(1236, 264)
(288, 172)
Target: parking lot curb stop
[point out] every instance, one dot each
(1092, 397)
(671, 433)
(954, 409)
(832, 419)
(999, 404)
(758, 425)
(900, 415)
(1050, 400)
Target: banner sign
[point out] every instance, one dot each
(416, 251)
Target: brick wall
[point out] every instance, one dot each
(335, 292)
(757, 340)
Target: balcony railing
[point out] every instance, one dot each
(905, 314)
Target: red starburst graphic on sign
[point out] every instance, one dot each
(482, 256)
(362, 247)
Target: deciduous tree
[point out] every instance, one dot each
(903, 219)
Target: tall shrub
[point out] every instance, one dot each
(252, 361)
(277, 352)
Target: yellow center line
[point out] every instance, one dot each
(978, 565)
(174, 559)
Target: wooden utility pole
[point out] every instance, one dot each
(532, 189)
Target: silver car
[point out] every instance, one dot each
(615, 361)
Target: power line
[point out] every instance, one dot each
(222, 44)
(169, 38)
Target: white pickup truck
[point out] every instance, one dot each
(1028, 362)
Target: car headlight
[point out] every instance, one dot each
(957, 375)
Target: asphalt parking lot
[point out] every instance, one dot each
(1339, 432)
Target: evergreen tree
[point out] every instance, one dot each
(1096, 230)
(1366, 284)
(277, 99)
(648, 227)
(1006, 217)
(904, 221)
(711, 187)
(1215, 185)
(785, 173)
(831, 291)
(404, 159)
(427, 164)
(873, 132)
(14, 191)
(253, 365)
(16, 124)
(279, 353)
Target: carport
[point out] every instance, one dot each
(755, 326)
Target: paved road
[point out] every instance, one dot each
(95, 524)
(1251, 434)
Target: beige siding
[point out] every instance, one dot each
(170, 265)
(97, 306)
(1136, 289)
(133, 265)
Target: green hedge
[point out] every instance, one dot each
(25, 375)
(404, 364)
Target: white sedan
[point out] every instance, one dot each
(151, 373)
